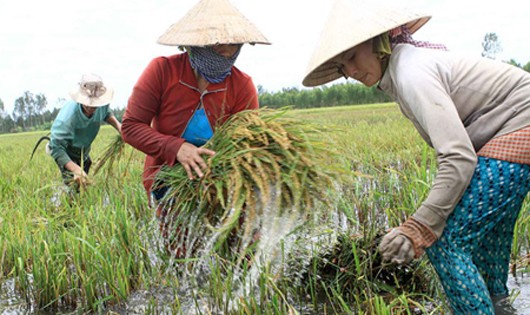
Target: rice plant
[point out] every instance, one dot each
(112, 154)
(264, 160)
(101, 252)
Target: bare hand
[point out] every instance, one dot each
(81, 179)
(190, 157)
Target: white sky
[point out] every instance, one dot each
(45, 46)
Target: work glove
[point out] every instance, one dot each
(406, 242)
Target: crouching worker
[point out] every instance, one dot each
(179, 100)
(475, 113)
(77, 125)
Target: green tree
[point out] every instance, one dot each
(41, 103)
(349, 93)
(6, 124)
(29, 110)
(20, 112)
(527, 67)
(3, 117)
(491, 45)
(261, 90)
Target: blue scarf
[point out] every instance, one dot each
(209, 64)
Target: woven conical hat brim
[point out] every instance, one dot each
(212, 22)
(350, 24)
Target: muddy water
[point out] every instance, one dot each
(520, 285)
(11, 304)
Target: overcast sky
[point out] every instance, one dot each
(45, 46)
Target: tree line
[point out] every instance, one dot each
(31, 113)
(324, 96)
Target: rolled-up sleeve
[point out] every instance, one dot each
(61, 136)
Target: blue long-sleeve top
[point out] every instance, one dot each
(72, 132)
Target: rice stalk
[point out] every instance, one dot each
(112, 153)
(263, 159)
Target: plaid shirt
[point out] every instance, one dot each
(513, 147)
(402, 35)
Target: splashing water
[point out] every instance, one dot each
(282, 244)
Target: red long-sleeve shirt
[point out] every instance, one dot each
(164, 100)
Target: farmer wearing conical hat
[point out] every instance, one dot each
(179, 100)
(474, 112)
(77, 125)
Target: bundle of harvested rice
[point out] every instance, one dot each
(355, 265)
(265, 162)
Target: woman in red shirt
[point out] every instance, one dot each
(179, 100)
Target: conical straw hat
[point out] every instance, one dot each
(349, 24)
(212, 22)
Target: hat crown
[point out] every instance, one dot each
(212, 22)
(92, 86)
(92, 91)
(350, 23)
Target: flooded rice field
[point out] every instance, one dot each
(95, 255)
(139, 302)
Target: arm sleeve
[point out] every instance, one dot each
(142, 106)
(422, 90)
(61, 136)
(112, 120)
(247, 97)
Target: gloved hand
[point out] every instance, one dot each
(406, 242)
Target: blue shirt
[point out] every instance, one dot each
(73, 132)
(198, 131)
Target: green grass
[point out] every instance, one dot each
(92, 253)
